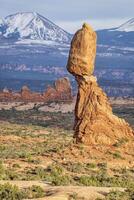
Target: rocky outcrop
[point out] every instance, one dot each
(60, 92)
(94, 119)
(28, 95)
(25, 93)
(6, 94)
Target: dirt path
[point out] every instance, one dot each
(62, 192)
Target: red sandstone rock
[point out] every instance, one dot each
(6, 94)
(63, 88)
(25, 93)
(60, 92)
(50, 94)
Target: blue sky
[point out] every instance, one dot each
(70, 14)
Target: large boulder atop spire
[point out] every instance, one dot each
(82, 52)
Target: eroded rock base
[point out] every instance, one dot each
(94, 119)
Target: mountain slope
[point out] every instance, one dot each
(34, 48)
(127, 27)
(119, 36)
(28, 25)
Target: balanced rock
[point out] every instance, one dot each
(82, 52)
(94, 120)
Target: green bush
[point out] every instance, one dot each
(89, 181)
(34, 192)
(117, 195)
(91, 165)
(75, 167)
(61, 180)
(55, 174)
(117, 155)
(9, 192)
(2, 171)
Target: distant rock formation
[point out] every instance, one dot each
(60, 92)
(94, 120)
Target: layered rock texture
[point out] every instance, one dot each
(60, 92)
(94, 120)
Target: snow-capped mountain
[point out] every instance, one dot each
(31, 25)
(33, 48)
(119, 36)
(127, 27)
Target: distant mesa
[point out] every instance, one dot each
(61, 91)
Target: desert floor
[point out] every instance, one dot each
(37, 148)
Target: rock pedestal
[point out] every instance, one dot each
(95, 122)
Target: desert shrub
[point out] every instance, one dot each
(55, 175)
(11, 175)
(117, 155)
(9, 192)
(40, 172)
(24, 154)
(102, 165)
(34, 192)
(61, 180)
(74, 167)
(55, 170)
(88, 181)
(91, 165)
(117, 195)
(7, 151)
(103, 180)
(2, 171)
(34, 174)
(130, 192)
(7, 174)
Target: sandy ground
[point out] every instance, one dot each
(62, 192)
(63, 107)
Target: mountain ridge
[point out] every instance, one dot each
(127, 26)
(45, 59)
(31, 25)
